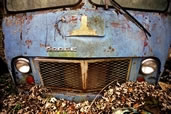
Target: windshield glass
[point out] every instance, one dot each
(160, 5)
(22, 5)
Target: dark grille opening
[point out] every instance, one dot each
(82, 75)
(61, 75)
(102, 73)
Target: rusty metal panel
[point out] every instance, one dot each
(61, 75)
(82, 75)
(103, 72)
(32, 34)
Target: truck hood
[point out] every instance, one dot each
(90, 32)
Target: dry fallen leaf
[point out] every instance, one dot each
(165, 86)
(129, 94)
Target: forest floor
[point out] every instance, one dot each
(129, 97)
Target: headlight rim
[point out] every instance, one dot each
(25, 60)
(146, 60)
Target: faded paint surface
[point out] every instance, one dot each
(28, 34)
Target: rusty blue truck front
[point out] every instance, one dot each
(77, 51)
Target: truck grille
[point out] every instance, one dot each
(82, 75)
(61, 75)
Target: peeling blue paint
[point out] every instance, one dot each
(29, 34)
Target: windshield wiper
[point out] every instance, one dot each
(121, 10)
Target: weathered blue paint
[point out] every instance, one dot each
(76, 97)
(29, 34)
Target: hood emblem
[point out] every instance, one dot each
(84, 30)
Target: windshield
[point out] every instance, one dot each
(159, 5)
(22, 5)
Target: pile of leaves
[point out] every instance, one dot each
(6, 87)
(129, 96)
(29, 99)
(137, 95)
(166, 76)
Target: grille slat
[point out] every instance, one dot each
(68, 74)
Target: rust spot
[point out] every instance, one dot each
(145, 43)
(110, 49)
(117, 25)
(73, 19)
(163, 15)
(143, 37)
(19, 20)
(43, 45)
(29, 18)
(123, 26)
(96, 20)
(128, 26)
(8, 22)
(28, 43)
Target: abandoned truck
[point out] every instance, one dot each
(76, 47)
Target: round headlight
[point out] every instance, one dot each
(148, 66)
(22, 65)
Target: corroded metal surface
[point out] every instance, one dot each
(82, 75)
(84, 30)
(30, 34)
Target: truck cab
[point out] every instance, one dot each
(76, 47)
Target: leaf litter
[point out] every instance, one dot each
(129, 97)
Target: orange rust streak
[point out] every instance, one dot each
(117, 25)
(8, 22)
(43, 45)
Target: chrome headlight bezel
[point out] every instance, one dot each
(22, 65)
(149, 66)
